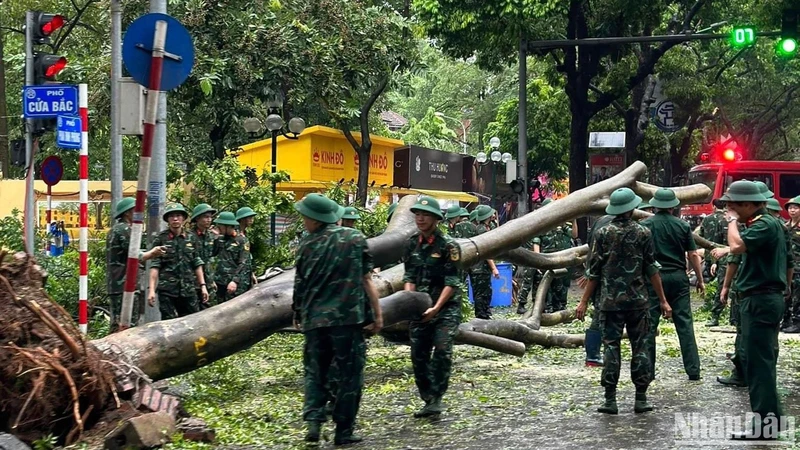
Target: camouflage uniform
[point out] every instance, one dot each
(794, 237)
(553, 241)
(715, 229)
(672, 238)
(205, 249)
(594, 333)
(331, 305)
(117, 242)
(622, 257)
(430, 266)
(176, 274)
(481, 277)
(233, 254)
(531, 277)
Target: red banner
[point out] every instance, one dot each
(605, 166)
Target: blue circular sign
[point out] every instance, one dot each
(137, 51)
(52, 170)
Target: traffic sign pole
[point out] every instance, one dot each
(154, 88)
(30, 214)
(83, 288)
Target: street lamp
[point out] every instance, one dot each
(463, 130)
(496, 157)
(274, 125)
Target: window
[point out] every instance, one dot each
(706, 177)
(789, 185)
(730, 177)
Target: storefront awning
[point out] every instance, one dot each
(444, 195)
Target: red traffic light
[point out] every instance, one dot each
(705, 157)
(44, 25)
(54, 24)
(46, 67)
(729, 154)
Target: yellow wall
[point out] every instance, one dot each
(322, 154)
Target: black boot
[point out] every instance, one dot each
(641, 405)
(345, 436)
(736, 379)
(521, 309)
(312, 435)
(610, 405)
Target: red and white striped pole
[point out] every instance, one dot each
(131, 272)
(83, 288)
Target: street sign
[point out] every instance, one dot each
(137, 48)
(48, 101)
(68, 132)
(607, 139)
(52, 170)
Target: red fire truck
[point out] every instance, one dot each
(782, 177)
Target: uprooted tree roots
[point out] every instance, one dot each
(51, 381)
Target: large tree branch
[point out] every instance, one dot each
(617, 106)
(72, 23)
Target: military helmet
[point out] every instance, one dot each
(463, 212)
(764, 189)
(664, 199)
(473, 215)
(175, 207)
(392, 207)
(774, 205)
(744, 191)
(483, 212)
(795, 201)
(453, 212)
(644, 205)
(350, 213)
(201, 209)
(244, 212)
(429, 205)
(123, 206)
(226, 218)
(320, 208)
(622, 200)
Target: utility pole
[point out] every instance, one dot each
(522, 148)
(30, 203)
(116, 74)
(156, 192)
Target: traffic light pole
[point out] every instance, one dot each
(589, 42)
(30, 200)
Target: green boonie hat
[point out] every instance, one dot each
(320, 208)
(226, 218)
(773, 204)
(428, 204)
(644, 205)
(664, 198)
(463, 212)
(473, 216)
(744, 191)
(795, 201)
(392, 207)
(175, 207)
(622, 200)
(123, 206)
(453, 212)
(764, 189)
(483, 212)
(351, 213)
(244, 212)
(201, 209)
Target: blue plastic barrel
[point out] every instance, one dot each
(501, 287)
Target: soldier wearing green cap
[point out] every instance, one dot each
(246, 217)
(673, 242)
(480, 274)
(793, 208)
(531, 277)
(233, 254)
(177, 273)
(117, 243)
(646, 207)
(334, 300)
(557, 239)
(715, 230)
(431, 259)
(593, 336)
(350, 216)
(762, 282)
(622, 256)
(774, 208)
(201, 218)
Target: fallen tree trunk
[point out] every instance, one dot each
(496, 343)
(519, 332)
(686, 194)
(570, 257)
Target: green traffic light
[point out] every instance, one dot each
(788, 46)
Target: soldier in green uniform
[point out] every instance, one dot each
(774, 208)
(793, 208)
(673, 241)
(622, 257)
(246, 217)
(201, 218)
(350, 216)
(453, 217)
(715, 229)
(334, 300)
(481, 273)
(762, 283)
(233, 253)
(557, 239)
(177, 273)
(117, 243)
(646, 207)
(430, 267)
(473, 216)
(531, 277)
(594, 335)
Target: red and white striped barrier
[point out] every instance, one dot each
(83, 288)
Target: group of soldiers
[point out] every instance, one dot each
(637, 272)
(190, 270)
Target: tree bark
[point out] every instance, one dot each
(570, 257)
(518, 332)
(496, 343)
